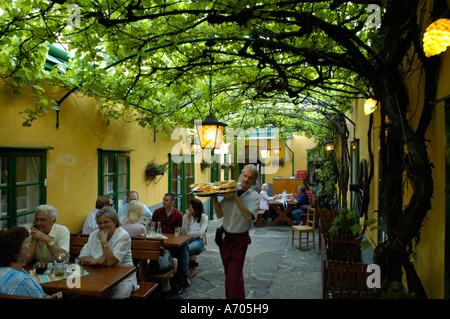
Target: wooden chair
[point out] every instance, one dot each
(193, 264)
(308, 228)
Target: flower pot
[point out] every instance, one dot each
(153, 173)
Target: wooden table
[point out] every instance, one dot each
(282, 212)
(98, 282)
(176, 241)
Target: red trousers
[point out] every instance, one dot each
(233, 252)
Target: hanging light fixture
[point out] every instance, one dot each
(210, 131)
(436, 38)
(276, 150)
(329, 145)
(195, 146)
(264, 152)
(370, 106)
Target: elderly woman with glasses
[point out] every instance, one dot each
(110, 245)
(14, 254)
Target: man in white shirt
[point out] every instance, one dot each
(47, 237)
(133, 195)
(90, 224)
(238, 210)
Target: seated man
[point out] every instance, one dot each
(170, 218)
(90, 224)
(133, 195)
(48, 238)
(302, 204)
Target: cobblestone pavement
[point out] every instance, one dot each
(273, 269)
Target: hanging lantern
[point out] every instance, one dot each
(210, 132)
(264, 152)
(329, 145)
(370, 106)
(437, 37)
(276, 150)
(196, 147)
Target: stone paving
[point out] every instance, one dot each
(273, 269)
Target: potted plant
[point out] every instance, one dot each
(153, 168)
(344, 222)
(204, 165)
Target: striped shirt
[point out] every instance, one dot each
(19, 283)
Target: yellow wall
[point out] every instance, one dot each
(360, 132)
(430, 251)
(299, 145)
(431, 254)
(72, 181)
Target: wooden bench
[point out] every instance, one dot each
(143, 249)
(145, 290)
(325, 221)
(345, 280)
(343, 247)
(5, 296)
(193, 264)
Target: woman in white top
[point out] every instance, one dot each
(110, 245)
(264, 199)
(195, 222)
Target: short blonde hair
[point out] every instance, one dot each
(135, 212)
(265, 187)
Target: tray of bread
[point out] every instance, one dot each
(216, 188)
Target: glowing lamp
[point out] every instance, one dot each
(264, 152)
(329, 145)
(437, 37)
(370, 106)
(210, 133)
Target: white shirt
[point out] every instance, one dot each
(60, 235)
(120, 244)
(233, 220)
(264, 200)
(194, 228)
(90, 224)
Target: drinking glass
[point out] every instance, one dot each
(40, 267)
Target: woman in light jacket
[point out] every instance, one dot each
(264, 199)
(195, 222)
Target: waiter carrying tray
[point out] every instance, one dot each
(237, 209)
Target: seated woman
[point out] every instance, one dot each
(263, 201)
(110, 245)
(132, 222)
(302, 204)
(14, 254)
(195, 222)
